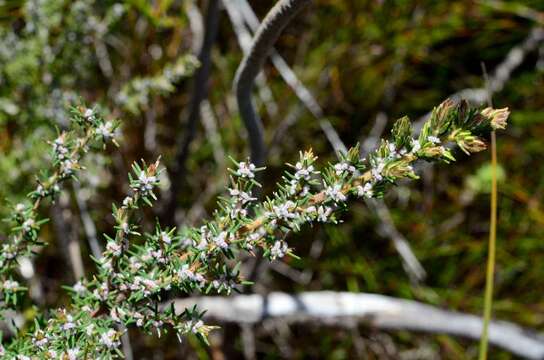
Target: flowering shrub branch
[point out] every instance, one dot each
(67, 150)
(137, 269)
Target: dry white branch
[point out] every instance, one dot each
(383, 312)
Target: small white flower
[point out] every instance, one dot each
(377, 170)
(335, 192)
(114, 248)
(257, 234)
(139, 319)
(20, 208)
(40, 190)
(243, 196)
(102, 292)
(279, 249)
(194, 326)
(125, 227)
(40, 339)
(79, 288)
(199, 279)
(127, 201)
(150, 285)
(117, 313)
(165, 238)
(69, 324)
(109, 339)
(342, 167)
(303, 172)
(73, 353)
(134, 264)
(60, 149)
(323, 213)
(67, 167)
(310, 209)
(283, 211)
(145, 182)
(220, 240)
(10, 285)
(392, 149)
(28, 225)
(89, 330)
(246, 170)
(105, 130)
(365, 190)
(197, 326)
(433, 139)
(88, 114)
(9, 251)
(185, 273)
(202, 244)
(416, 146)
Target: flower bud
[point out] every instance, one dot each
(497, 117)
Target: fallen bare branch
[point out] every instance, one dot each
(379, 311)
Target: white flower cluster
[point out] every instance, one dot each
(285, 211)
(322, 212)
(68, 167)
(376, 170)
(241, 196)
(110, 339)
(10, 285)
(246, 170)
(365, 190)
(194, 326)
(147, 286)
(114, 248)
(335, 193)
(344, 167)
(279, 249)
(221, 240)
(304, 172)
(89, 114)
(145, 183)
(59, 148)
(105, 130)
(185, 273)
